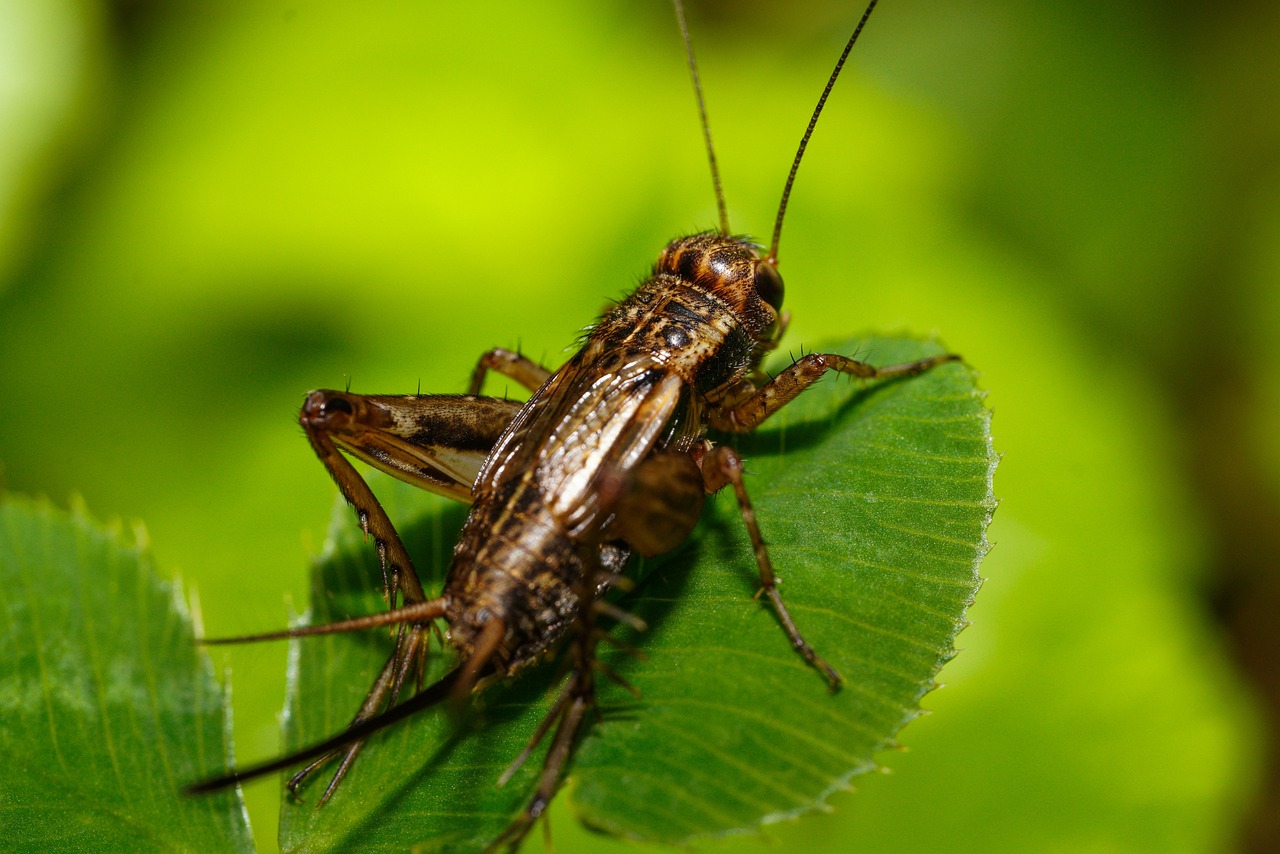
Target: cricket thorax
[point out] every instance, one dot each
(707, 314)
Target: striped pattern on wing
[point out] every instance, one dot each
(579, 425)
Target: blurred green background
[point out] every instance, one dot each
(207, 209)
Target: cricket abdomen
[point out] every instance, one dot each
(513, 562)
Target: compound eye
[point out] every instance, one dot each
(769, 285)
(334, 405)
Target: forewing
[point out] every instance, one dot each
(587, 420)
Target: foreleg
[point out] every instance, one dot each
(744, 413)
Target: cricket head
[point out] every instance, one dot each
(732, 269)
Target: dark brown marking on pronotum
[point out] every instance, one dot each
(609, 455)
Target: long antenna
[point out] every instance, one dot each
(808, 132)
(702, 113)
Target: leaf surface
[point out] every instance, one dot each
(109, 708)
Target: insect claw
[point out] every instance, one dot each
(296, 781)
(347, 759)
(833, 677)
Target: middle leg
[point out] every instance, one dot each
(745, 413)
(510, 364)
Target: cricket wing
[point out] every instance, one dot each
(582, 424)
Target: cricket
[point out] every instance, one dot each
(610, 457)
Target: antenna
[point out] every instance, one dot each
(702, 113)
(772, 257)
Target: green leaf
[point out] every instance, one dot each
(874, 500)
(109, 708)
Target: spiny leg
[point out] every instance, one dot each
(322, 416)
(567, 692)
(379, 708)
(372, 702)
(510, 364)
(411, 646)
(746, 413)
(410, 649)
(722, 466)
(434, 694)
(436, 442)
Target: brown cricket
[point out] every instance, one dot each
(609, 456)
